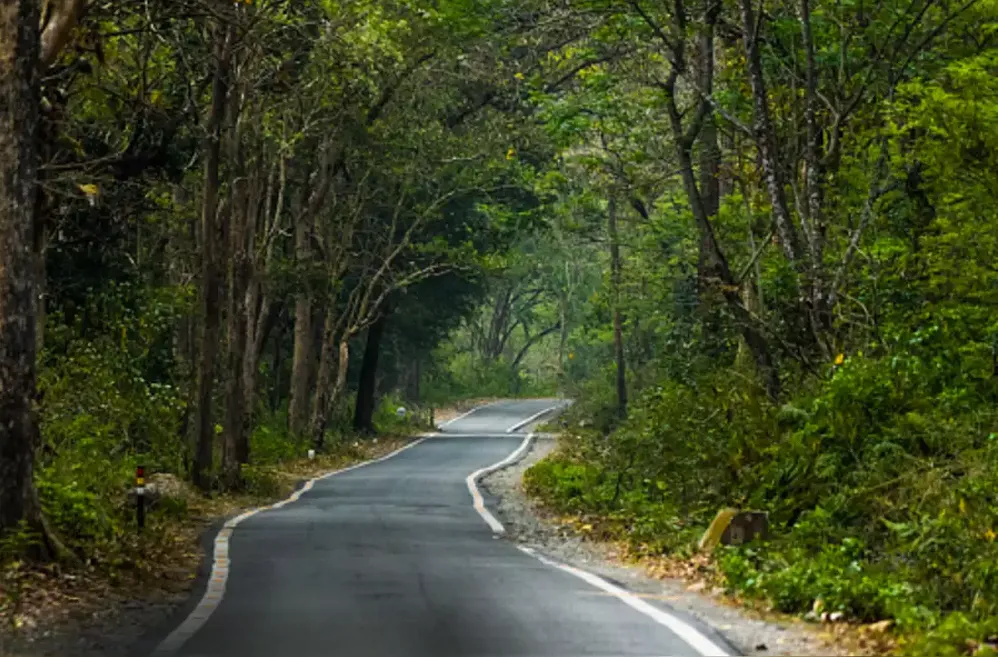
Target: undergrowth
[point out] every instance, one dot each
(110, 402)
(879, 481)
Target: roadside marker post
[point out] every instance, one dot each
(140, 496)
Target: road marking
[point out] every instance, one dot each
(693, 637)
(533, 417)
(446, 436)
(643, 596)
(476, 497)
(221, 565)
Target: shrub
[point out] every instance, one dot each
(879, 481)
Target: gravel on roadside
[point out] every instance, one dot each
(526, 524)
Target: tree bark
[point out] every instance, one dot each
(59, 20)
(236, 430)
(324, 379)
(563, 304)
(210, 278)
(713, 267)
(302, 359)
(414, 379)
(618, 320)
(342, 367)
(302, 367)
(19, 111)
(710, 152)
(765, 136)
(814, 184)
(363, 417)
(813, 307)
(261, 311)
(260, 325)
(278, 390)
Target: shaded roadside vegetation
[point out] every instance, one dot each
(129, 582)
(788, 302)
(756, 243)
(232, 233)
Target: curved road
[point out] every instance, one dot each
(392, 560)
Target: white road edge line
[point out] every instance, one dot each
(693, 637)
(477, 501)
(533, 417)
(213, 594)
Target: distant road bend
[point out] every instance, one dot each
(392, 559)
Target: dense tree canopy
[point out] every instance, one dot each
(756, 242)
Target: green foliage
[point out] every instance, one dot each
(876, 461)
(107, 409)
(261, 481)
(879, 484)
(463, 375)
(476, 149)
(387, 420)
(570, 486)
(958, 634)
(271, 443)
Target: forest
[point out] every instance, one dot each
(755, 242)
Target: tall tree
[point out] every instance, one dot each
(19, 113)
(212, 249)
(363, 417)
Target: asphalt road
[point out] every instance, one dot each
(392, 560)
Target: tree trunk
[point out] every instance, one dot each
(813, 307)
(710, 155)
(713, 269)
(342, 367)
(260, 324)
(562, 338)
(765, 136)
(414, 377)
(302, 360)
(236, 430)
(814, 184)
(305, 330)
(324, 380)
(210, 283)
(277, 390)
(618, 320)
(236, 427)
(363, 417)
(710, 152)
(186, 336)
(19, 111)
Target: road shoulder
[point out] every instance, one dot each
(530, 526)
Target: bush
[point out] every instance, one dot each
(261, 480)
(879, 481)
(387, 420)
(270, 441)
(107, 407)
